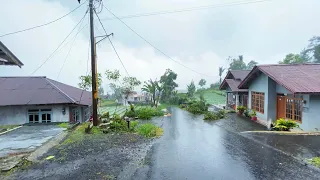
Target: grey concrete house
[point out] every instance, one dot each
(235, 96)
(41, 100)
(7, 57)
(285, 91)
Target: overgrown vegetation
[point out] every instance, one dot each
(215, 115)
(4, 128)
(78, 134)
(145, 113)
(64, 125)
(315, 161)
(284, 125)
(149, 130)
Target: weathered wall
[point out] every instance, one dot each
(310, 114)
(19, 114)
(272, 100)
(260, 84)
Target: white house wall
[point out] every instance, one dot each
(19, 114)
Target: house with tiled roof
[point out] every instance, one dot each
(41, 100)
(235, 96)
(285, 91)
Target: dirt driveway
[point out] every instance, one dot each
(26, 138)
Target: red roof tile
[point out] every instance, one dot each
(297, 78)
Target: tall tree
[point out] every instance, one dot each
(168, 83)
(202, 82)
(101, 91)
(191, 89)
(153, 88)
(221, 70)
(128, 85)
(293, 59)
(238, 64)
(251, 64)
(86, 82)
(313, 49)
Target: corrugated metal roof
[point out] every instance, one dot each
(239, 74)
(297, 78)
(39, 90)
(7, 57)
(233, 79)
(233, 84)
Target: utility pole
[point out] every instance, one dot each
(93, 68)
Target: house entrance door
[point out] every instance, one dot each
(281, 106)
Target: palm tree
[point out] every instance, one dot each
(154, 89)
(221, 70)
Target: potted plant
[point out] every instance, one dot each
(241, 109)
(253, 115)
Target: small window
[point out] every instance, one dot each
(257, 102)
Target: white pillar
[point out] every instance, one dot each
(237, 100)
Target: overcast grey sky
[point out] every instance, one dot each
(202, 40)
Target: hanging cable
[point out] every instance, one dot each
(155, 46)
(73, 41)
(45, 24)
(112, 44)
(53, 53)
(187, 9)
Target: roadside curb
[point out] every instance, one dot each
(283, 133)
(10, 130)
(45, 147)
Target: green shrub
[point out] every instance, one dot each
(247, 113)
(64, 125)
(215, 116)
(241, 108)
(130, 114)
(149, 130)
(105, 115)
(182, 106)
(230, 111)
(147, 113)
(315, 161)
(284, 125)
(253, 113)
(210, 116)
(197, 107)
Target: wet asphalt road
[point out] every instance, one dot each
(194, 149)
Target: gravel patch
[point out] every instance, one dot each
(103, 156)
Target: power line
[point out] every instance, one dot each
(87, 69)
(155, 46)
(112, 44)
(74, 39)
(45, 24)
(53, 53)
(187, 9)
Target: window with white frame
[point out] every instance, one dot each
(76, 114)
(39, 115)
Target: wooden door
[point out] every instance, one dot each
(281, 107)
(245, 101)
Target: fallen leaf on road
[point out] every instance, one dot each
(49, 157)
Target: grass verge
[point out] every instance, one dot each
(149, 130)
(79, 134)
(315, 161)
(64, 125)
(4, 128)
